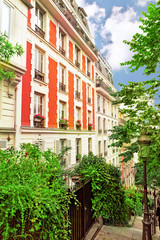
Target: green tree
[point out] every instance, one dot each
(137, 97)
(146, 45)
(7, 51)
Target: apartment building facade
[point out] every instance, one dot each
(106, 112)
(13, 22)
(57, 93)
(61, 94)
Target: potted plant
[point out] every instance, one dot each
(39, 120)
(78, 124)
(90, 126)
(63, 123)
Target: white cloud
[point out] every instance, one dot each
(95, 15)
(121, 25)
(143, 3)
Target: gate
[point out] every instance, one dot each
(81, 215)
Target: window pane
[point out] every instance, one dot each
(6, 12)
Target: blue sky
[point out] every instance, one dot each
(111, 22)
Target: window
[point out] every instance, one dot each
(62, 42)
(62, 146)
(39, 61)
(62, 85)
(77, 56)
(99, 149)
(89, 117)
(89, 145)
(5, 18)
(38, 110)
(39, 26)
(88, 67)
(78, 88)
(104, 105)
(78, 113)
(78, 149)
(89, 93)
(38, 101)
(99, 123)
(62, 110)
(104, 125)
(98, 103)
(105, 148)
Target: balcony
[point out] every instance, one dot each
(98, 108)
(99, 131)
(88, 74)
(101, 84)
(105, 131)
(77, 64)
(62, 87)
(77, 94)
(105, 153)
(89, 100)
(39, 75)
(73, 21)
(61, 50)
(39, 31)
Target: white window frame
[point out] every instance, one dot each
(62, 36)
(78, 113)
(10, 17)
(62, 110)
(37, 14)
(89, 145)
(39, 60)
(62, 74)
(89, 117)
(78, 146)
(38, 103)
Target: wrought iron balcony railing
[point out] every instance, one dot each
(39, 75)
(78, 94)
(101, 84)
(89, 100)
(39, 31)
(62, 51)
(77, 64)
(88, 74)
(99, 131)
(62, 87)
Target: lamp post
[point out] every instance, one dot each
(144, 143)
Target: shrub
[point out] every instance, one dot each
(34, 200)
(133, 200)
(108, 193)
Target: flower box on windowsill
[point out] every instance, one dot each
(78, 124)
(63, 123)
(90, 126)
(39, 121)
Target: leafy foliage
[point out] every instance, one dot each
(136, 98)
(34, 200)
(8, 50)
(108, 193)
(146, 45)
(134, 201)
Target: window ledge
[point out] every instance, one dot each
(40, 82)
(66, 93)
